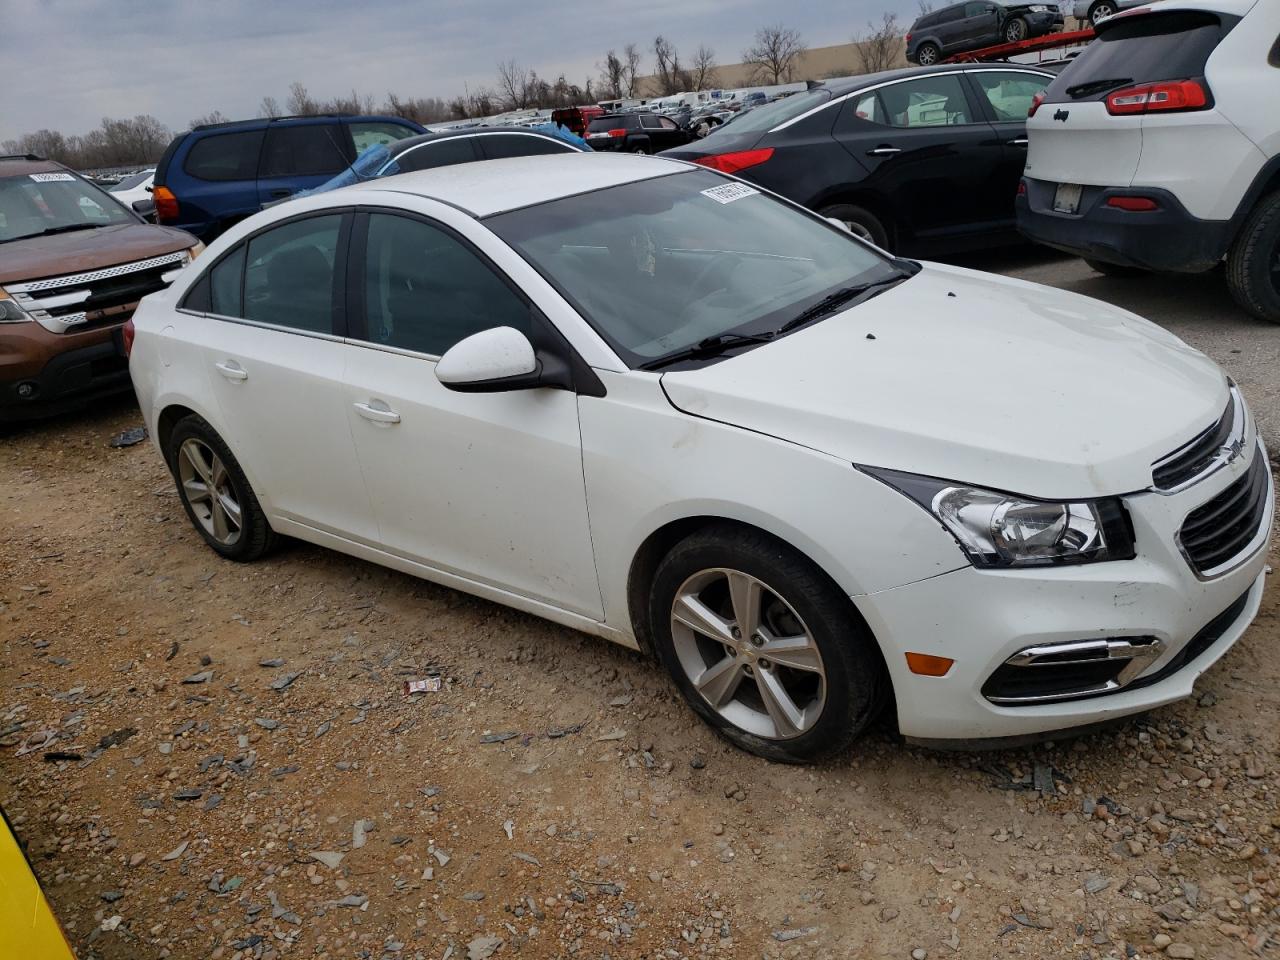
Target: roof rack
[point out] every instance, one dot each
(296, 116)
(23, 156)
(1002, 51)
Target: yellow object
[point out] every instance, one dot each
(28, 929)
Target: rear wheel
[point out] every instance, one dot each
(764, 646)
(860, 221)
(927, 54)
(1015, 30)
(1102, 10)
(215, 492)
(1253, 265)
(1115, 269)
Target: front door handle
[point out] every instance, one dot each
(377, 411)
(1019, 142)
(884, 151)
(232, 370)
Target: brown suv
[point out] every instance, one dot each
(73, 264)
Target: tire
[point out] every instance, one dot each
(1101, 10)
(861, 221)
(1253, 264)
(248, 539)
(642, 147)
(927, 54)
(1015, 29)
(1115, 269)
(841, 682)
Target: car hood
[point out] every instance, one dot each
(83, 250)
(980, 379)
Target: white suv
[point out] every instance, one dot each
(1159, 147)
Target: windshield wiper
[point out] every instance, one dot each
(834, 301)
(1096, 86)
(50, 231)
(708, 347)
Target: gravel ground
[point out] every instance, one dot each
(212, 760)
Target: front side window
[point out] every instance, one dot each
(55, 202)
(289, 277)
(976, 9)
(425, 289)
(660, 265)
(1010, 94)
(374, 133)
(225, 156)
(935, 101)
(307, 149)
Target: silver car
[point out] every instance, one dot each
(1095, 10)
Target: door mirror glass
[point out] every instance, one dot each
(490, 361)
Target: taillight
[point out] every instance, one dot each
(618, 132)
(166, 205)
(1133, 204)
(1152, 97)
(908, 38)
(127, 333)
(1022, 188)
(733, 162)
(1035, 103)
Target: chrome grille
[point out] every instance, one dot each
(1215, 534)
(1208, 451)
(77, 279)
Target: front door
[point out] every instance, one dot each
(487, 486)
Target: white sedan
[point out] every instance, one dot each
(654, 403)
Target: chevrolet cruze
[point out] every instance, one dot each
(654, 403)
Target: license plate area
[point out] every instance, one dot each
(1066, 198)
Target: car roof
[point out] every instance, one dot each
(400, 146)
(19, 165)
(842, 85)
(255, 123)
(497, 186)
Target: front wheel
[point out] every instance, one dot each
(1015, 30)
(764, 647)
(1253, 265)
(215, 492)
(927, 54)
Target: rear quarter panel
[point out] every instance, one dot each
(1245, 84)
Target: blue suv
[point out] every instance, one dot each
(216, 175)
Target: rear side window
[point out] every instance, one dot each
(226, 285)
(436, 153)
(602, 124)
(1142, 49)
(373, 133)
(304, 150)
(225, 156)
(1010, 94)
(501, 145)
(650, 122)
(289, 274)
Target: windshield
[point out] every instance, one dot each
(660, 265)
(54, 202)
(769, 115)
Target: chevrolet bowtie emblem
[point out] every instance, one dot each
(1232, 451)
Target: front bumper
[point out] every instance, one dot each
(1169, 239)
(43, 373)
(981, 618)
(1039, 24)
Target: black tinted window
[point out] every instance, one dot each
(436, 153)
(225, 156)
(305, 150)
(226, 285)
(602, 124)
(425, 290)
(497, 146)
(289, 277)
(1141, 49)
(949, 15)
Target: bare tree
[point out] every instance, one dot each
(269, 107)
(611, 74)
(630, 69)
(672, 78)
(702, 74)
(514, 84)
(775, 54)
(882, 46)
(926, 6)
(300, 103)
(209, 119)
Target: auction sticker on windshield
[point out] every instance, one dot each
(47, 177)
(729, 192)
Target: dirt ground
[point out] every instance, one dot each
(242, 775)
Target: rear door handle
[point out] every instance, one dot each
(884, 151)
(380, 413)
(281, 192)
(1019, 142)
(232, 370)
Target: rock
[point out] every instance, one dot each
(499, 738)
(442, 858)
(359, 831)
(137, 859)
(1247, 852)
(919, 953)
(1096, 883)
(266, 723)
(482, 948)
(273, 662)
(213, 801)
(330, 858)
(205, 660)
(353, 900)
(697, 762)
(177, 851)
(887, 914)
(1161, 940)
(783, 936)
(204, 676)
(111, 896)
(475, 896)
(1180, 951)
(281, 682)
(190, 794)
(322, 729)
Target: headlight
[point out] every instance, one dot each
(10, 312)
(998, 529)
(195, 251)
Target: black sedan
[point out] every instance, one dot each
(920, 161)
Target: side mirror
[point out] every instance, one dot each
(490, 361)
(149, 189)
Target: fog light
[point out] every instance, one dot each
(27, 390)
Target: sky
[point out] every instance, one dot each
(69, 63)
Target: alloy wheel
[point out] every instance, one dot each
(748, 654)
(1101, 12)
(207, 488)
(1016, 31)
(859, 230)
(926, 57)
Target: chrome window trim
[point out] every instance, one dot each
(889, 83)
(569, 147)
(398, 351)
(1238, 441)
(91, 275)
(313, 334)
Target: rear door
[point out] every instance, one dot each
(929, 150)
(1006, 97)
(950, 26)
(301, 155)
